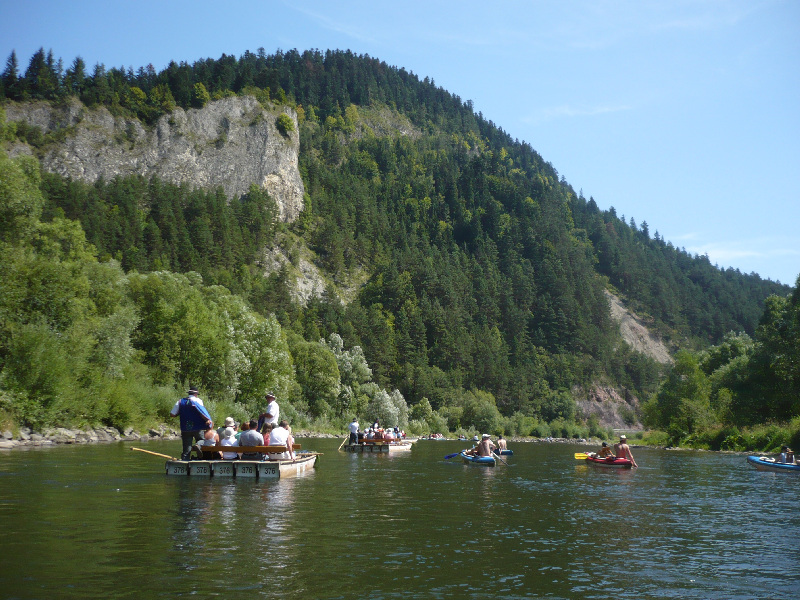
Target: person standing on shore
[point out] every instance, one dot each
(622, 450)
(194, 419)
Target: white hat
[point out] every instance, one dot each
(229, 432)
(485, 435)
(229, 422)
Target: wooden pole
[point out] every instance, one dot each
(154, 453)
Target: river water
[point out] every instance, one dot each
(104, 522)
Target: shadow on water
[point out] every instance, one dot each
(103, 522)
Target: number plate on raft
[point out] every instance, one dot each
(175, 467)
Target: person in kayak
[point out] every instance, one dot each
(605, 451)
(622, 450)
(787, 456)
(484, 447)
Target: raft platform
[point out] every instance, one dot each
(250, 469)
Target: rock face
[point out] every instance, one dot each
(634, 331)
(233, 143)
(610, 407)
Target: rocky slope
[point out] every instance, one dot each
(233, 143)
(635, 332)
(615, 408)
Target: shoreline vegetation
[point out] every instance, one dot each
(766, 439)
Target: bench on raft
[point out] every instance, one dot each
(245, 449)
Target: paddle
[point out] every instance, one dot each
(449, 456)
(581, 456)
(497, 456)
(342, 444)
(154, 453)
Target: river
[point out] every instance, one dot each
(101, 521)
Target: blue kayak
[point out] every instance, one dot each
(762, 463)
(488, 461)
(505, 452)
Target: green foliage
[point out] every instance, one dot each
(318, 375)
(200, 95)
(20, 199)
(285, 124)
(204, 335)
(683, 397)
(389, 408)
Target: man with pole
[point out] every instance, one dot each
(194, 420)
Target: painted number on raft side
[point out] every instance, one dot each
(268, 471)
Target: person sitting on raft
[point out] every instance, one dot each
(282, 436)
(252, 437)
(229, 439)
(211, 438)
(622, 450)
(484, 447)
(605, 451)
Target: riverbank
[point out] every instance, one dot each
(63, 436)
(59, 436)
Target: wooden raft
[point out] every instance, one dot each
(262, 469)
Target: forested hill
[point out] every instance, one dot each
(485, 272)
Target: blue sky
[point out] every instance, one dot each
(684, 114)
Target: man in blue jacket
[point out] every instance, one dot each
(194, 420)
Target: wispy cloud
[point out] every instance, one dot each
(778, 258)
(334, 25)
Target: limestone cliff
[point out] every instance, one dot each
(233, 143)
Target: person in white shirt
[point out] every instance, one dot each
(353, 432)
(270, 415)
(282, 436)
(229, 439)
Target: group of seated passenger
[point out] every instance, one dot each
(249, 434)
(389, 434)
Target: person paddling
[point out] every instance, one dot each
(484, 447)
